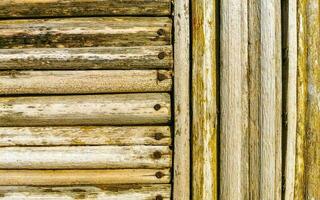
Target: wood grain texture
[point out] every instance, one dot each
(146, 57)
(270, 108)
(83, 177)
(103, 192)
(85, 157)
(204, 100)
(84, 82)
(85, 32)
(234, 101)
(85, 135)
(118, 109)
(291, 96)
(182, 157)
(52, 8)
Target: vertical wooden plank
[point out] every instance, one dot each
(181, 181)
(204, 103)
(234, 100)
(270, 108)
(291, 95)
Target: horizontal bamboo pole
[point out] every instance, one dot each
(83, 177)
(119, 192)
(85, 32)
(146, 57)
(117, 109)
(84, 82)
(50, 8)
(85, 135)
(85, 157)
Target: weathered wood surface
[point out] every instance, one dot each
(204, 95)
(52, 8)
(85, 157)
(84, 82)
(234, 156)
(270, 106)
(83, 177)
(117, 109)
(85, 135)
(308, 136)
(85, 32)
(290, 66)
(103, 192)
(182, 157)
(146, 57)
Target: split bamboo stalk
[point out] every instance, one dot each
(53, 8)
(234, 100)
(146, 57)
(83, 177)
(103, 192)
(85, 32)
(84, 82)
(181, 171)
(204, 95)
(85, 157)
(112, 109)
(85, 135)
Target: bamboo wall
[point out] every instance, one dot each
(85, 105)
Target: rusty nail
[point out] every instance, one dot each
(159, 197)
(158, 136)
(159, 174)
(161, 55)
(161, 32)
(157, 107)
(157, 154)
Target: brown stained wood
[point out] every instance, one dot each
(182, 157)
(84, 82)
(85, 157)
(85, 135)
(83, 177)
(117, 109)
(204, 95)
(234, 158)
(85, 32)
(53, 8)
(119, 192)
(146, 57)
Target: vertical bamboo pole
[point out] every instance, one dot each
(181, 181)
(270, 102)
(204, 95)
(234, 100)
(291, 95)
(307, 178)
(312, 142)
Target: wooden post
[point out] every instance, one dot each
(234, 100)
(181, 181)
(204, 100)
